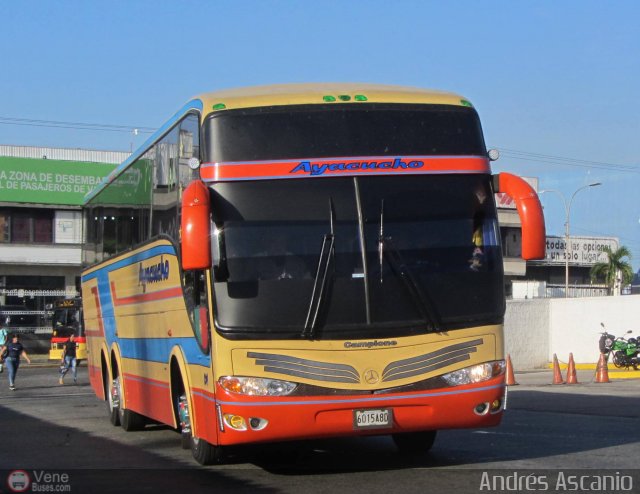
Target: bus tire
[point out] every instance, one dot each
(204, 452)
(185, 432)
(130, 420)
(414, 443)
(112, 409)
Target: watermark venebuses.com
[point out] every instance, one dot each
(37, 481)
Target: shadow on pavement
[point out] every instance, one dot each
(34, 445)
(537, 425)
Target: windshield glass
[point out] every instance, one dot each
(66, 318)
(341, 130)
(438, 265)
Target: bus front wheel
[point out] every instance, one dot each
(414, 443)
(131, 421)
(204, 452)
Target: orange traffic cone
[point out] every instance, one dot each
(602, 371)
(511, 379)
(557, 375)
(572, 377)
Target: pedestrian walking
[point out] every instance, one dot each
(69, 359)
(15, 350)
(3, 342)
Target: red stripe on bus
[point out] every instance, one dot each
(100, 331)
(150, 397)
(387, 165)
(145, 297)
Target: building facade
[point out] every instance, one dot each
(41, 231)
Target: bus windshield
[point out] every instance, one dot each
(342, 130)
(68, 318)
(411, 254)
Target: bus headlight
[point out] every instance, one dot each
(256, 386)
(475, 373)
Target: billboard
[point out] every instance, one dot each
(582, 251)
(43, 181)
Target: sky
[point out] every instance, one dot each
(555, 83)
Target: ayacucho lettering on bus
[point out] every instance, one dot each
(321, 168)
(153, 273)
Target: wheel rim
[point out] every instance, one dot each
(184, 415)
(114, 395)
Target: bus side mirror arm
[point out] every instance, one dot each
(529, 210)
(195, 225)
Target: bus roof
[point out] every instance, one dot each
(322, 93)
(288, 94)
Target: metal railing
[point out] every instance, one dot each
(576, 291)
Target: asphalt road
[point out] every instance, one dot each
(547, 430)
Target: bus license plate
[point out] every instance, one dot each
(372, 419)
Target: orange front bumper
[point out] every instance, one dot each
(290, 418)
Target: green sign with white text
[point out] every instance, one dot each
(41, 181)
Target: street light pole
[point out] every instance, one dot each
(567, 247)
(566, 266)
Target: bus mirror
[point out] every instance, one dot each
(194, 227)
(530, 212)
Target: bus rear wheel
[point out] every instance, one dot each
(113, 399)
(414, 443)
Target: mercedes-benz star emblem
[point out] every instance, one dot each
(371, 376)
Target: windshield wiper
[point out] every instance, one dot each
(381, 239)
(327, 253)
(386, 250)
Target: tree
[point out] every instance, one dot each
(617, 271)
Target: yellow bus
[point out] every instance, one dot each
(302, 261)
(67, 320)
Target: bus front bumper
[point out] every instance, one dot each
(247, 419)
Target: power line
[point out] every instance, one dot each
(506, 152)
(561, 160)
(76, 125)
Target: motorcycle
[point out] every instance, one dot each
(624, 352)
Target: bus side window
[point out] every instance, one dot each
(188, 147)
(195, 292)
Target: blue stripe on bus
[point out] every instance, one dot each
(128, 261)
(159, 349)
(153, 349)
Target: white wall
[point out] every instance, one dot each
(526, 332)
(536, 329)
(43, 254)
(68, 227)
(575, 324)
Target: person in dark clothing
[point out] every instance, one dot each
(69, 359)
(14, 351)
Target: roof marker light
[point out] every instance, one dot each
(219, 106)
(344, 97)
(360, 97)
(329, 99)
(464, 102)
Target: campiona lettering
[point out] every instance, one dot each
(154, 273)
(321, 168)
(369, 344)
